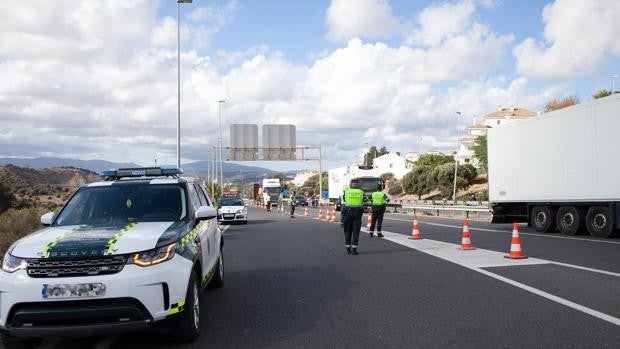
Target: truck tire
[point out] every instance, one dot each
(599, 222)
(542, 218)
(570, 220)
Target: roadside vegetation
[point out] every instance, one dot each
(26, 193)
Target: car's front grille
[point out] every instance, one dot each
(39, 268)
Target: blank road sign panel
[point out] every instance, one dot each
(279, 142)
(243, 142)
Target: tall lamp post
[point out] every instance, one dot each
(179, 2)
(219, 111)
(456, 158)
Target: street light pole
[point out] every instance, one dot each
(456, 159)
(219, 109)
(179, 2)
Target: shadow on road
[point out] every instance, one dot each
(244, 314)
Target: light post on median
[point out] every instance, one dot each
(456, 158)
(179, 2)
(219, 111)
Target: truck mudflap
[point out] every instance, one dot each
(509, 213)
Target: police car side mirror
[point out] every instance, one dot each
(47, 218)
(206, 212)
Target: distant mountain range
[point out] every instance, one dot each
(100, 165)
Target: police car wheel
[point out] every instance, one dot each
(188, 326)
(218, 278)
(11, 342)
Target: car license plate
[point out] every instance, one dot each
(72, 290)
(229, 215)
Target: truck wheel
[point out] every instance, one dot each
(599, 222)
(543, 218)
(570, 220)
(187, 329)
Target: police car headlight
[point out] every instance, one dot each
(153, 257)
(11, 264)
(240, 210)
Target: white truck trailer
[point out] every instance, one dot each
(559, 170)
(272, 191)
(340, 177)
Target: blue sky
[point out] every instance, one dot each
(101, 75)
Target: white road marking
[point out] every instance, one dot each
(611, 273)
(480, 258)
(509, 232)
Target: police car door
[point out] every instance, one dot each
(214, 231)
(205, 244)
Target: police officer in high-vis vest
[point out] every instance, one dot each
(379, 200)
(353, 197)
(293, 202)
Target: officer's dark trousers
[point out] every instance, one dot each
(377, 217)
(292, 209)
(352, 226)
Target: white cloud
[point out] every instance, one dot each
(347, 19)
(578, 37)
(442, 21)
(75, 90)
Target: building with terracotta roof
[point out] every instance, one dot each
(502, 116)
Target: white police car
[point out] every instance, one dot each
(232, 209)
(129, 253)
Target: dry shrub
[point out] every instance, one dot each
(15, 224)
(561, 103)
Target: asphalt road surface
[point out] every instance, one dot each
(290, 284)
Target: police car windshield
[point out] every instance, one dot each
(231, 202)
(124, 202)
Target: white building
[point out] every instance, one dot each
(502, 116)
(394, 163)
(302, 177)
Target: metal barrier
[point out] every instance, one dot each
(477, 212)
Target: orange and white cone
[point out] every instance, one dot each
(415, 231)
(327, 215)
(466, 239)
(320, 214)
(306, 212)
(515, 245)
(333, 218)
(369, 222)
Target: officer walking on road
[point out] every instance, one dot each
(379, 200)
(353, 197)
(293, 202)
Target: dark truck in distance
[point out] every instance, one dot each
(368, 185)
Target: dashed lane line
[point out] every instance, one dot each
(477, 259)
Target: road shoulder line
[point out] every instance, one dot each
(477, 259)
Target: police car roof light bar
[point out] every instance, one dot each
(168, 171)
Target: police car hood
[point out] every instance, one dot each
(230, 209)
(95, 241)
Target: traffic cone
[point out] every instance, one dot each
(306, 212)
(333, 219)
(515, 245)
(415, 231)
(320, 214)
(369, 222)
(327, 215)
(466, 239)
